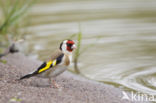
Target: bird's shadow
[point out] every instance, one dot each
(35, 82)
(40, 85)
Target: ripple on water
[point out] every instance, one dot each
(143, 81)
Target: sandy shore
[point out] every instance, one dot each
(75, 89)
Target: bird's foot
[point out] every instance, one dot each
(55, 85)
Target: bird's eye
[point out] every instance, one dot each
(69, 45)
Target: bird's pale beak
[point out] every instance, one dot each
(74, 46)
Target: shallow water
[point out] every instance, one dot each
(123, 33)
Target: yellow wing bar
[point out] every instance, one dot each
(48, 65)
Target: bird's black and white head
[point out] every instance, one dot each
(67, 46)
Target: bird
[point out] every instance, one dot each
(57, 64)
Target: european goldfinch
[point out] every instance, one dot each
(58, 63)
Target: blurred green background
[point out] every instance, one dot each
(123, 34)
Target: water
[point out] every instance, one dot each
(125, 53)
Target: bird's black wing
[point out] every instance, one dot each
(45, 66)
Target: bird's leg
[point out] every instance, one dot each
(54, 83)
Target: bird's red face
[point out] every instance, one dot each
(67, 46)
(70, 45)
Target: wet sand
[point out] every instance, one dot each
(75, 89)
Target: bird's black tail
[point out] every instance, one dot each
(26, 76)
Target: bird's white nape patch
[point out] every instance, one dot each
(64, 46)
